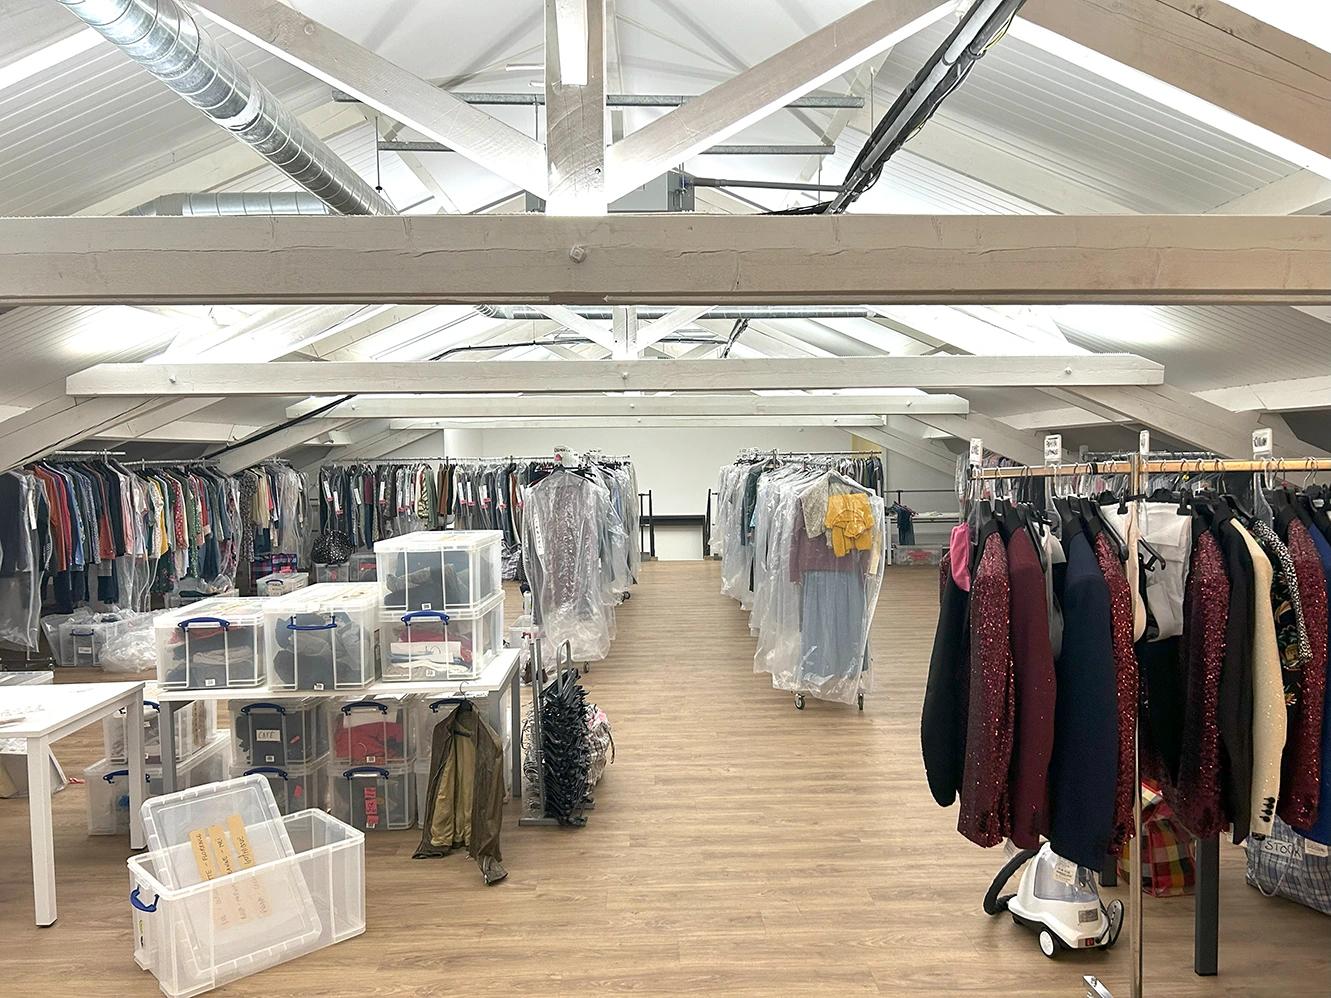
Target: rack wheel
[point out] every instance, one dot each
(1048, 946)
(799, 701)
(860, 700)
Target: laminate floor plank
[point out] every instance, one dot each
(738, 848)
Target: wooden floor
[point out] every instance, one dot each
(738, 848)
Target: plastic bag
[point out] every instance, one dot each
(134, 649)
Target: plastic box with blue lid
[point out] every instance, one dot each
(374, 798)
(427, 645)
(108, 784)
(282, 733)
(212, 644)
(323, 637)
(440, 569)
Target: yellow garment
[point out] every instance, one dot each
(849, 523)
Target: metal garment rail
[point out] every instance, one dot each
(1137, 467)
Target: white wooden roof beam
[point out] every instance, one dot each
(930, 453)
(732, 106)
(373, 80)
(678, 260)
(575, 106)
(312, 431)
(684, 404)
(313, 378)
(1207, 60)
(521, 422)
(573, 322)
(1295, 393)
(1019, 445)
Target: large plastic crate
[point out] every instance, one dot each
(296, 787)
(195, 724)
(108, 784)
(425, 645)
(279, 888)
(360, 567)
(440, 570)
(212, 644)
(81, 643)
(374, 798)
(373, 732)
(323, 637)
(282, 733)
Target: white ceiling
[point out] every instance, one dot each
(96, 125)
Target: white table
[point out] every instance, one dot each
(500, 672)
(44, 715)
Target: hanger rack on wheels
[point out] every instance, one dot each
(1137, 467)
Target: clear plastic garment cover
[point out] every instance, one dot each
(811, 601)
(570, 532)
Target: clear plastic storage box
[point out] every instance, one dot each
(81, 643)
(294, 787)
(231, 887)
(195, 724)
(373, 732)
(374, 798)
(108, 784)
(212, 644)
(440, 569)
(283, 733)
(425, 645)
(323, 637)
(280, 583)
(360, 567)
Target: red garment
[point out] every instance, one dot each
(986, 815)
(59, 512)
(1305, 691)
(106, 544)
(1196, 798)
(1125, 670)
(1033, 675)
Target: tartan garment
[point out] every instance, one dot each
(1281, 865)
(1169, 866)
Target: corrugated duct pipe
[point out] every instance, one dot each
(233, 204)
(166, 40)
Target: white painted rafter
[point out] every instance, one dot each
(756, 93)
(679, 260)
(575, 106)
(373, 80)
(312, 378)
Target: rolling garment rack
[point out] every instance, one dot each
(1136, 468)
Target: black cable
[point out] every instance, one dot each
(863, 174)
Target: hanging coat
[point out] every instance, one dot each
(464, 806)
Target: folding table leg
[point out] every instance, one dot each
(43, 846)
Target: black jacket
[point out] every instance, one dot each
(946, 694)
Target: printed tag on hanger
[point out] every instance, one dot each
(1311, 848)
(328, 490)
(1262, 444)
(1065, 871)
(32, 511)
(383, 491)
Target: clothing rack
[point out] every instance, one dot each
(60, 454)
(1137, 467)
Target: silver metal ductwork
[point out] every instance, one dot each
(760, 312)
(233, 204)
(165, 39)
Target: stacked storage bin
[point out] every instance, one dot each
(203, 753)
(81, 642)
(108, 783)
(230, 887)
(212, 644)
(443, 604)
(285, 742)
(323, 637)
(372, 770)
(360, 567)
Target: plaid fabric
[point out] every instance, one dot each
(1281, 865)
(1168, 863)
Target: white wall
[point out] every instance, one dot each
(679, 464)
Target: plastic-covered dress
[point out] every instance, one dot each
(22, 562)
(563, 545)
(837, 556)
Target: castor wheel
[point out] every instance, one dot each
(1048, 946)
(860, 700)
(799, 701)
